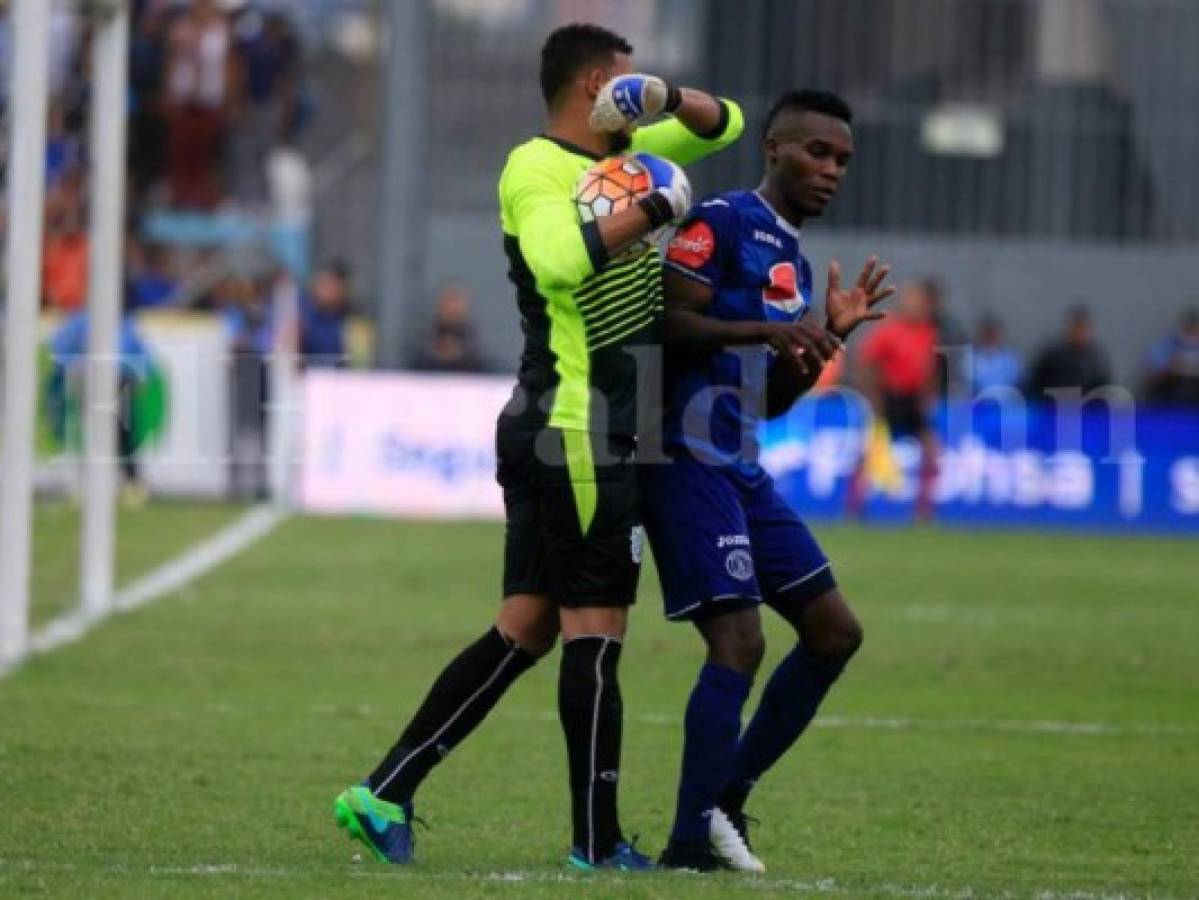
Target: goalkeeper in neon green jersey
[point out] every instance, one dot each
(588, 294)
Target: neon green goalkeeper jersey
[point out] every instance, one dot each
(582, 313)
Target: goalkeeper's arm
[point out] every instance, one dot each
(559, 250)
(704, 115)
(699, 123)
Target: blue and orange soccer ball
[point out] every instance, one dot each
(611, 185)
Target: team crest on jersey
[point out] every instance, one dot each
(740, 565)
(692, 246)
(781, 293)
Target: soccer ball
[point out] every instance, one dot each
(611, 185)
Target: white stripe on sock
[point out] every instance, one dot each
(450, 721)
(599, 687)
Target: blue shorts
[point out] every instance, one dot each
(720, 540)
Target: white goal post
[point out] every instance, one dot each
(108, 120)
(30, 76)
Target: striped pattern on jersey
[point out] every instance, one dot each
(621, 299)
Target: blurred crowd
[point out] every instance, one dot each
(922, 354)
(215, 88)
(216, 104)
(923, 350)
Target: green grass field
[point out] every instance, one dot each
(146, 537)
(1023, 721)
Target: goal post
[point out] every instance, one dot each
(110, 61)
(26, 199)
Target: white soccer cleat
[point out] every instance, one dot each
(730, 845)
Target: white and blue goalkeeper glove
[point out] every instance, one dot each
(632, 100)
(671, 195)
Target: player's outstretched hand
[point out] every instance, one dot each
(846, 309)
(808, 345)
(631, 100)
(668, 180)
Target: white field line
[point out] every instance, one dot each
(1005, 616)
(202, 558)
(1050, 727)
(166, 579)
(906, 723)
(602, 883)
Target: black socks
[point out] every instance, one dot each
(590, 707)
(458, 702)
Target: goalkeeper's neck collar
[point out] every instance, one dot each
(571, 148)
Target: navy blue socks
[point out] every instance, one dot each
(712, 726)
(789, 703)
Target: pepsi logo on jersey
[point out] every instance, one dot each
(782, 291)
(692, 246)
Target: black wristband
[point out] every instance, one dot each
(657, 208)
(674, 99)
(721, 126)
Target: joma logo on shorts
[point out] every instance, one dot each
(732, 540)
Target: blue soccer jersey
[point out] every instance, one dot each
(738, 245)
(721, 534)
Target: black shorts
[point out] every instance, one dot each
(573, 530)
(905, 415)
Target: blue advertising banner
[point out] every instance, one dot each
(1102, 466)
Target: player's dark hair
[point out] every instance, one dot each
(823, 102)
(339, 268)
(574, 47)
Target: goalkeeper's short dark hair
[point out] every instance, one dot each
(573, 47)
(823, 102)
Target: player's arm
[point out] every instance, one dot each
(699, 123)
(687, 326)
(788, 382)
(560, 250)
(696, 261)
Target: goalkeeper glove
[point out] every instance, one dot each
(632, 99)
(671, 195)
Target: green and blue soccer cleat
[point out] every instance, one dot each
(625, 858)
(384, 828)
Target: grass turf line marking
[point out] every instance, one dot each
(1049, 727)
(166, 579)
(202, 558)
(818, 886)
(885, 723)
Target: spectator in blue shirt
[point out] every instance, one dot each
(324, 309)
(68, 353)
(246, 309)
(995, 363)
(151, 279)
(1172, 369)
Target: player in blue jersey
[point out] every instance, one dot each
(741, 344)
